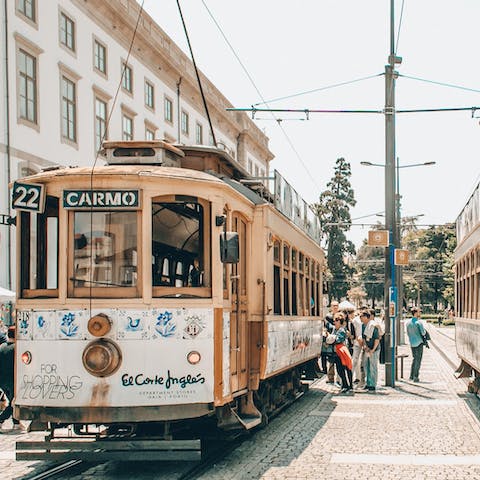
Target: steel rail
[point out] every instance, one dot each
(57, 469)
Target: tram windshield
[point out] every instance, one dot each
(105, 249)
(178, 242)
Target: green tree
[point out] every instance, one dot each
(371, 270)
(431, 274)
(333, 210)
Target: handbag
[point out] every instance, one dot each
(344, 355)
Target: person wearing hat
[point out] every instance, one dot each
(415, 331)
(7, 359)
(327, 350)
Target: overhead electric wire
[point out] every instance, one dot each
(197, 74)
(107, 124)
(327, 87)
(443, 84)
(289, 141)
(399, 27)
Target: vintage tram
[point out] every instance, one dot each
(165, 288)
(467, 290)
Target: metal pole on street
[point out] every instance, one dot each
(390, 297)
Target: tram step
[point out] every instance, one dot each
(250, 421)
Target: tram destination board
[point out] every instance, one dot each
(102, 199)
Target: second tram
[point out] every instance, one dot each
(467, 290)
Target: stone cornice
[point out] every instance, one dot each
(154, 47)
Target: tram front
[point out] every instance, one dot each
(115, 309)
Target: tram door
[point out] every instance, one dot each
(238, 318)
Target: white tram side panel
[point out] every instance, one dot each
(291, 343)
(154, 369)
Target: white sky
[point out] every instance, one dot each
(292, 47)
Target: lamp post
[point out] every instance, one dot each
(393, 274)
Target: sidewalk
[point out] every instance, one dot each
(426, 430)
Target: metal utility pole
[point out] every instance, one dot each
(391, 303)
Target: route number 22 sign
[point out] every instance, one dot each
(29, 197)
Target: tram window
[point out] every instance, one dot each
(301, 295)
(178, 245)
(105, 249)
(277, 309)
(294, 293)
(286, 293)
(39, 252)
(276, 251)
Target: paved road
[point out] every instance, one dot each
(429, 430)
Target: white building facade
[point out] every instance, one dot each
(71, 76)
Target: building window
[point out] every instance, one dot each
(184, 122)
(100, 122)
(149, 95)
(69, 110)
(28, 86)
(250, 166)
(127, 127)
(149, 134)
(256, 171)
(100, 57)
(210, 140)
(127, 78)
(168, 105)
(67, 32)
(27, 8)
(199, 134)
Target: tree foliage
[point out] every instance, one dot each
(333, 210)
(430, 276)
(371, 271)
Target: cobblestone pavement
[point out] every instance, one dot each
(426, 430)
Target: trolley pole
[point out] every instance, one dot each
(390, 297)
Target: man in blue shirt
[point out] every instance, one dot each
(415, 332)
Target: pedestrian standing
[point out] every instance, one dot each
(329, 320)
(7, 359)
(416, 331)
(343, 359)
(357, 356)
(371, 349)
(327, 349)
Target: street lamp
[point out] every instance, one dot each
(396, 273)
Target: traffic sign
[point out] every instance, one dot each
(378, 238)
(401, 257)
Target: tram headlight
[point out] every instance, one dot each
(99, 325)
(102, 357)
(26, 358)
(194, 357)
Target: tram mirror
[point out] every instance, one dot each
(229, 249)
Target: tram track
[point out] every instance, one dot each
(52, 472)
(215, 452)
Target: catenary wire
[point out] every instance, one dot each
(107, 124)
(443, 84)
(289, 141)
(327, 87)
(399, 27)
(200, 87)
